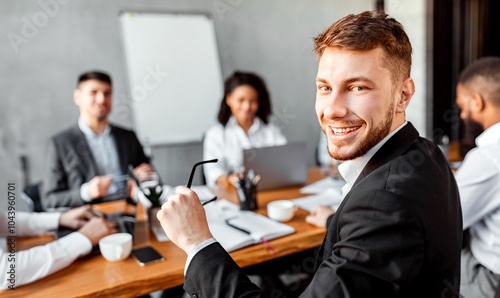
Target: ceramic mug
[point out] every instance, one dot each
(116, 247)
(281, 210)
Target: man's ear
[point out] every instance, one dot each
(478, 104)
(406, 93)
(76, 96)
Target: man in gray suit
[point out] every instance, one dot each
(88, 162)
(398, 230)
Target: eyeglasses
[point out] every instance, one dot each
(190, 181)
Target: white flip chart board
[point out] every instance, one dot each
(174, 75)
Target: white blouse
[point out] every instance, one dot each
(227, 144)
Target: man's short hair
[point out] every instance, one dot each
(367, 31)
(94, 75)
(483, 77)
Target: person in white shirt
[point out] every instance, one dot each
(243, 123)
(26, 266)
(478, 178)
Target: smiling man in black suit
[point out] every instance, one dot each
(398, 231)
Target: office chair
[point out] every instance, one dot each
(33, 192)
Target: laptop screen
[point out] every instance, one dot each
(278, 166)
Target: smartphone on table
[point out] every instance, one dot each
(147, 255)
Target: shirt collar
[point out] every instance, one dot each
(489, 136)
(255, 126)
(89, 133)
(351, 169)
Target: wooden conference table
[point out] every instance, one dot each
(93, 276)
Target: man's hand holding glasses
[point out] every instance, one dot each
(183, 217)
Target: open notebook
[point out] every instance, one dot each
(235, 229)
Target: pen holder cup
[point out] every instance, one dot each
(249, 202)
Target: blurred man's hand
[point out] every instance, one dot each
(77, 217)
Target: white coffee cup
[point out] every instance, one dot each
(281, 210)
(116, 247)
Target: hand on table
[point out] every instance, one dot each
(77, 217)
(96, 228)
(183, 219)
(319, 216)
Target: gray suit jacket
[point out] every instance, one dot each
(71, 164)
(397, 233)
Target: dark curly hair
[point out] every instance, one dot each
(237, 79)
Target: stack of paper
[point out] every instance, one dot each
(323, 184)
(329, 197)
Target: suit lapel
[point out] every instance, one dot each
(83, 152)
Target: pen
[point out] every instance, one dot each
(256, 179)
(262, 240)
(239, 190)
(237, 228)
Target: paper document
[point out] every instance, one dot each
(323, 184)
(329, 197)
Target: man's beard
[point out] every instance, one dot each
(472, 130)
(372, 139)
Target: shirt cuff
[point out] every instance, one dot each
(85, 192)
(76, 244)
(37, 223)
(197, 249)
(140, 197)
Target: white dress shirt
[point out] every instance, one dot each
(103, 148)
(351, 169)
(478, 180)
(40, 261)
(227, 144)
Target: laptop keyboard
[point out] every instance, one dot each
(124, 223)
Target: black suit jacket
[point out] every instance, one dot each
(397, 233)
(71, 164)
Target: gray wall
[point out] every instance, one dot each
(45, 44)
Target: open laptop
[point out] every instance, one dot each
(278, 166)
